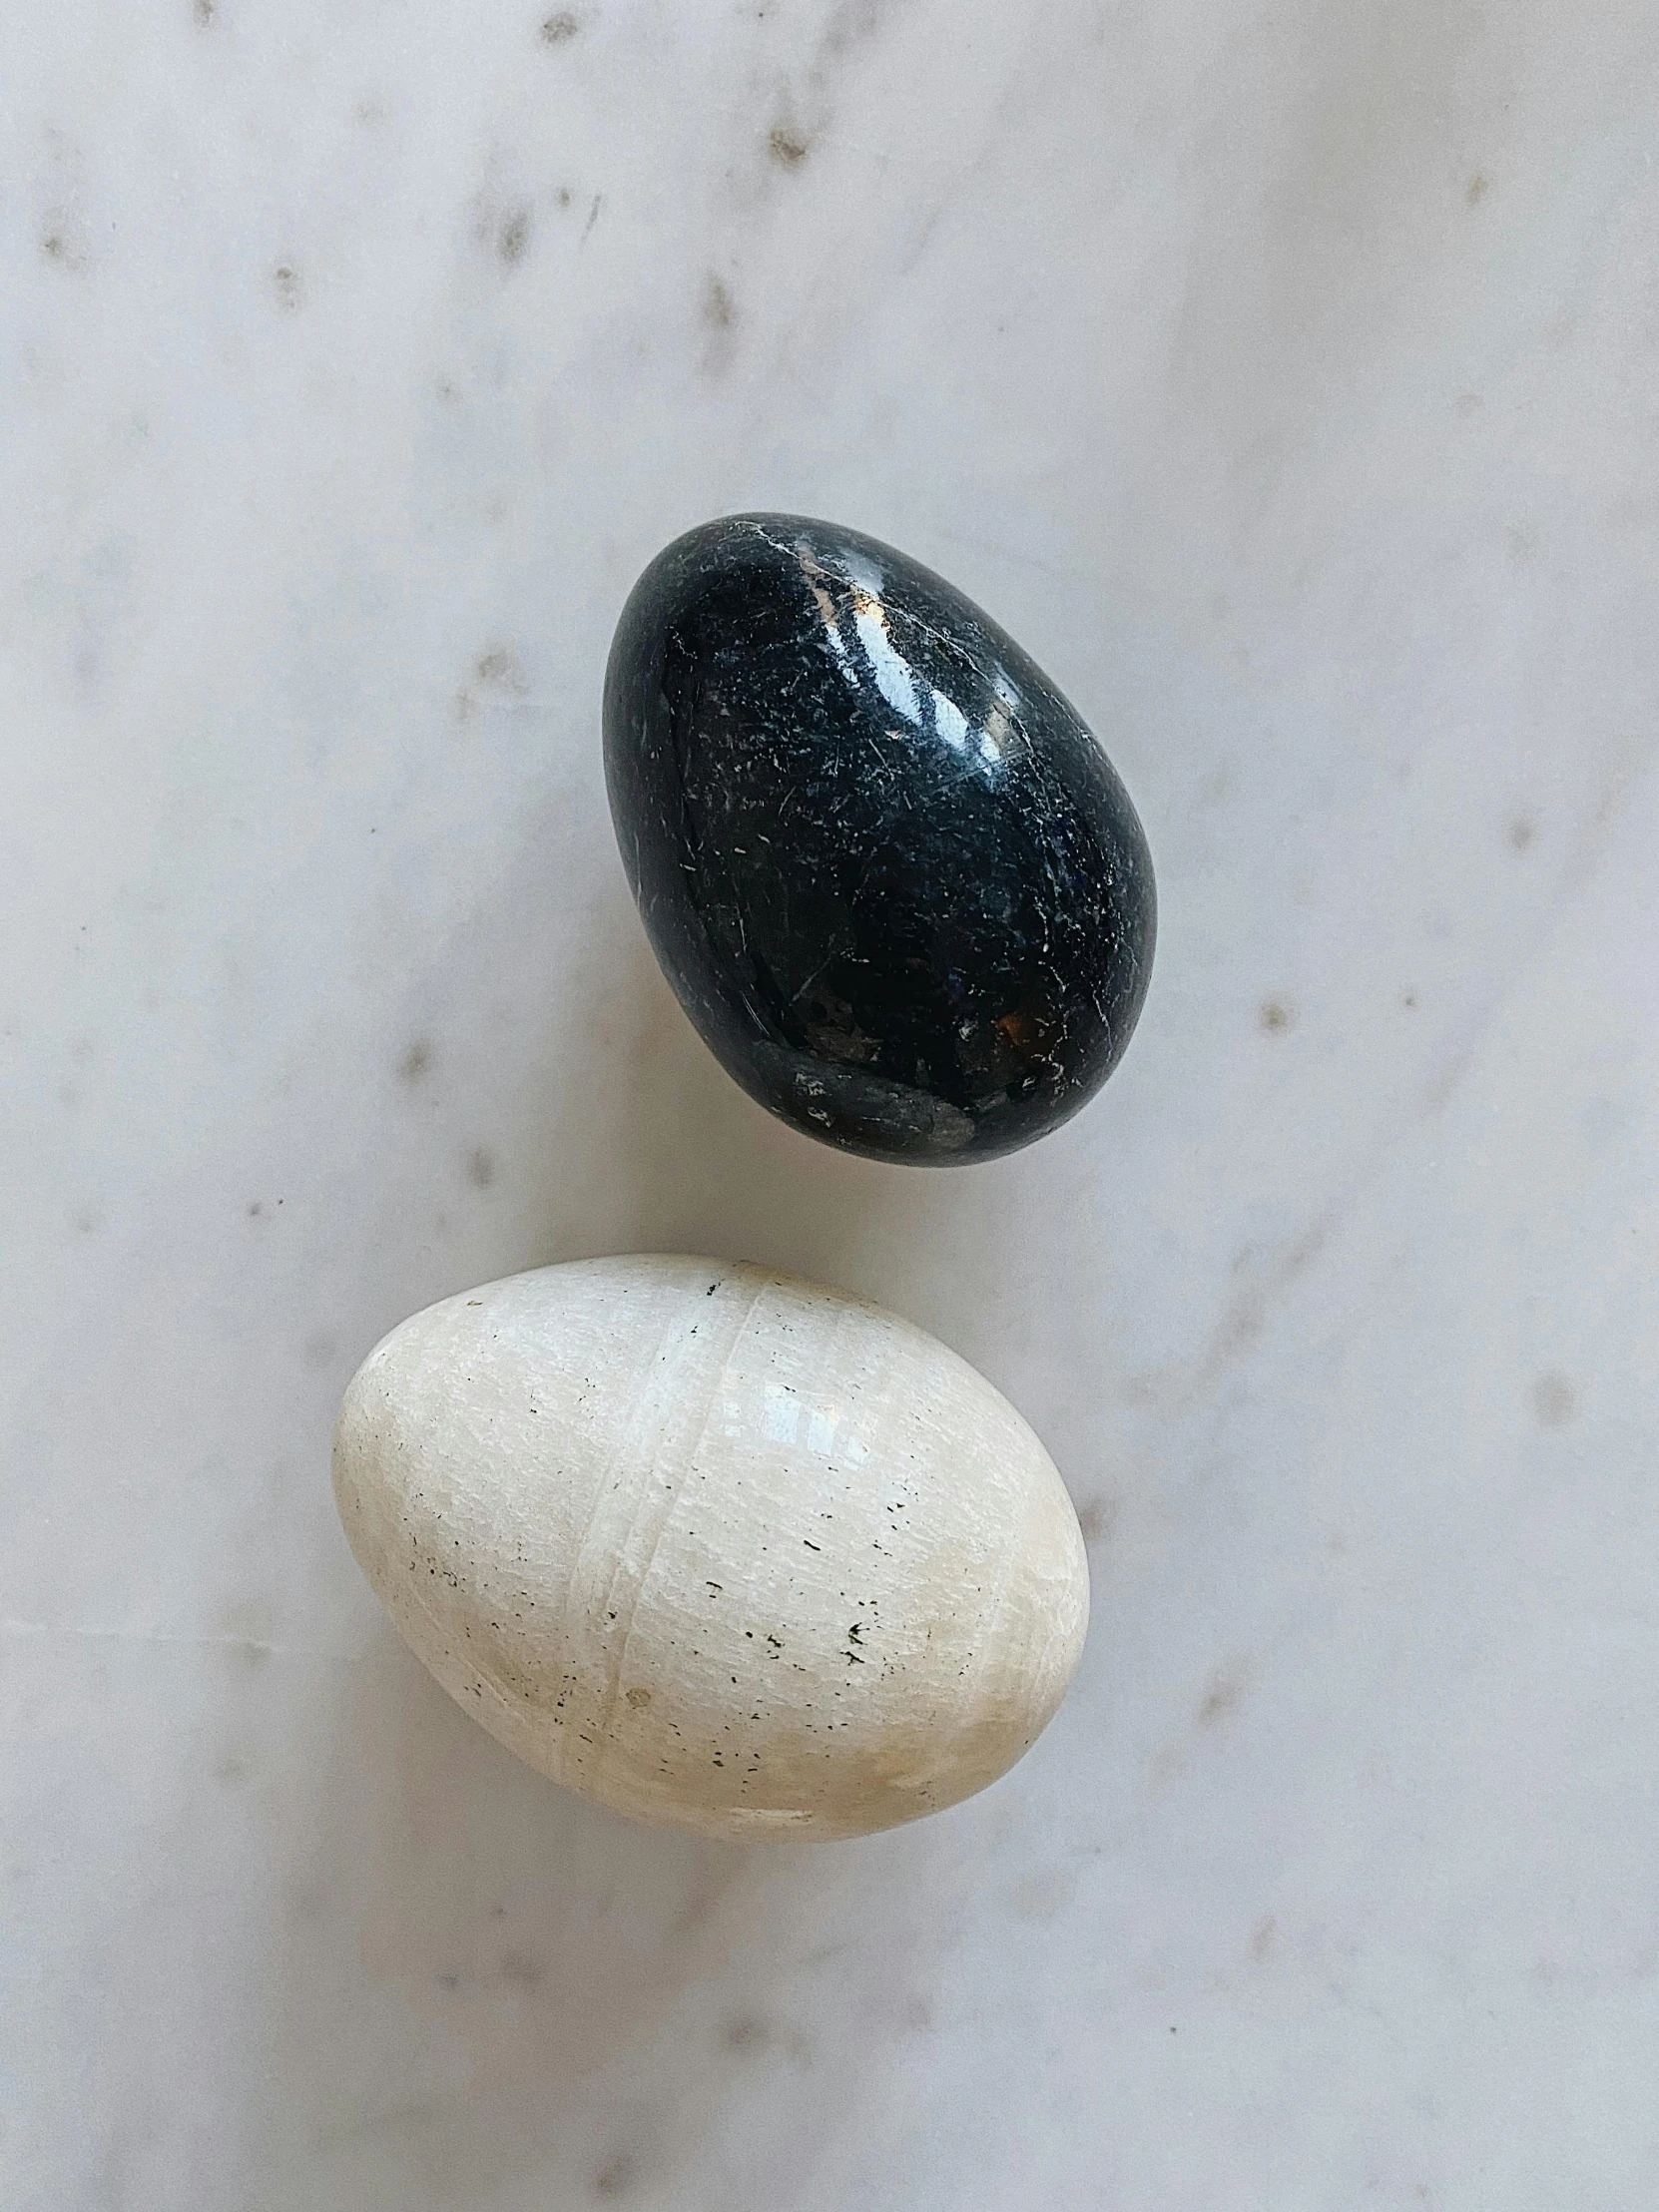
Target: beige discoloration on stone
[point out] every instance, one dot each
(718, 1548)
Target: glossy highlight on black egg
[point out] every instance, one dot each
(891, 876)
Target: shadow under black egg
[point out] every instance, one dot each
(891, 876)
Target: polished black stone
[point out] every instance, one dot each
(891, 876)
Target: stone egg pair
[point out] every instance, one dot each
(718, 1548)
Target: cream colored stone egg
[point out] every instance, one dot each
(713, 1547)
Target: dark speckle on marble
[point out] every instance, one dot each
(63, 233)
(1226, 1693)
(1554, 1401)
(500, 670)
(615, 2177)
(746, 2034)
(891, 876)
(512, 234)
(502, 227)
(1096, 1518)
(787, 146)
(718, 314)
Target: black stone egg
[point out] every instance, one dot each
(893, 880)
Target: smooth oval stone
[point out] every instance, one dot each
(721, 1549)
(892, 878)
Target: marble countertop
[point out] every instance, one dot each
(1284, 379)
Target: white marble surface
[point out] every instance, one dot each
(1285, 381)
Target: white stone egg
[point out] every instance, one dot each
(713, 1547)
